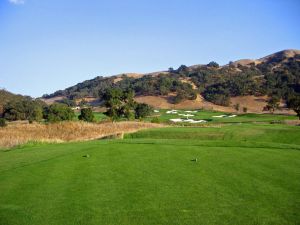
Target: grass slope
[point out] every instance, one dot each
(149, 178)
(208, 115)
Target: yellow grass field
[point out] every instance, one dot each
(17, 134)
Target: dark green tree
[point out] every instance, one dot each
(119, 104)
(142, 110)
(294, 103)
(58, 112)
(68, 102)
(25, 109)
(273, 104)
(213, 64)
(86, 114)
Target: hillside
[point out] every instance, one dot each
(6, 96)
(211, 86)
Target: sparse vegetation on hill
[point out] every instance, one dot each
(6, 96)
(275, 75)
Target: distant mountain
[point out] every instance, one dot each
(277, 74)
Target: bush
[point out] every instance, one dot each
(155, 120)
(2, 122)
(58, 112)
(213, 64)
(26, 109)
(142, 110)
(87, 115)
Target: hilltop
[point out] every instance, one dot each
(6, 96)
(208, 86)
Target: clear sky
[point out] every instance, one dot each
(46, 45)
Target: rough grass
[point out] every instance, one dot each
(17, 134)
(142, 180)
(256, 133)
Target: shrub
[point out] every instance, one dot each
(155, 120)
(2, 122)
(237, 107)
(142, 110)
(86, 114)
(294, 103)
(25, 109)
(119, 103)
(213, 64)
(58, 112)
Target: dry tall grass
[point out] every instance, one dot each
(17, 134)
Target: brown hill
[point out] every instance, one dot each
(252, 103)
(199, 78)
(275, 57)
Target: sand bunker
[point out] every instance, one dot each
(172, 112)
(178, 120)
(224, 116)
(220, 116)
(191, 111)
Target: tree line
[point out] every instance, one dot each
(120, 105)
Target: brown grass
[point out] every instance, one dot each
(17, 134)
(165, 102)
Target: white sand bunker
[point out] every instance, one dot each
(232, 116)
(225, 116)
(191, 111)
(186, 115)
(156, 111)
(187, 121)
(220, 116)
(172, 111)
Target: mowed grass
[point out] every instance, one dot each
(163, 117)
(209, 117)
(245, 174)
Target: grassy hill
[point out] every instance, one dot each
(273, 75)
(244, 174)
(6, 96)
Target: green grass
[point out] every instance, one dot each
(208, 115)
(163, 117)
(245, 174)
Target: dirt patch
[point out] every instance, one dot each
(50, 101)
(165, 102)
(131, 75)
(292, 122)
(188, 81)
(256, 104)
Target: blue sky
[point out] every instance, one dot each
(46, 45)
